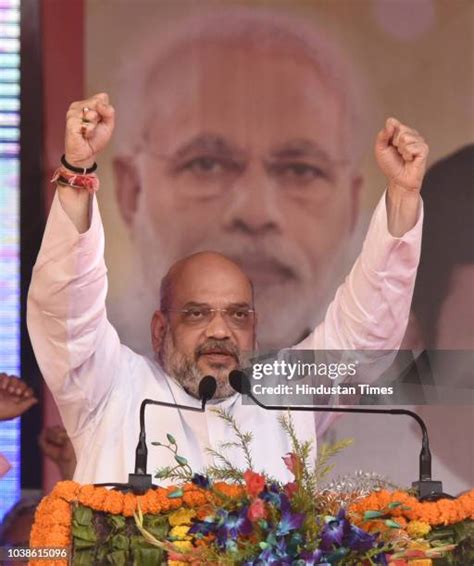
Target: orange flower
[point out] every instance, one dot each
(256, 510)
(113, 502)
(97, 498)
(67, 490)
(154, 502)
(204, 511)
(194, 496)
(52, 526)
(254, 483)
(129, 504)
(229, 489)
(442, 512)
(290, 489)
(85, 494)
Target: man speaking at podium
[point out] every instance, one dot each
(205, 320)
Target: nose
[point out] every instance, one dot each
(218, 327)
(253, 208)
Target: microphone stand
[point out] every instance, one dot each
(427, 488)
(140, 481)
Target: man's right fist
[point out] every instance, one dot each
(89, 127)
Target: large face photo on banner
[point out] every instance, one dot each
(248, 131)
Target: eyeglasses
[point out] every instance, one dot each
(237, 317)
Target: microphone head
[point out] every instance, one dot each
(240, 382)
(207, 387)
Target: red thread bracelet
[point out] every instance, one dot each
(89, 182)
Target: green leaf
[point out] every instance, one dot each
(120, 542)
(84, 533)
(83, 515)
(156, 444)
(163, 472)
(118, 557)
(80, 544)
(181, 460)
(102, 553)
(392, 524)
(271, 539)
(175, 494)
(148, 557)
(157, 525)
(372, 515)
(337, 555)
(116, 521)
(170, 438)
(394, 504)
(83, 558)
(137, 542)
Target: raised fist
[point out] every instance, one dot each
(401, 154)
(15, 397)
(89, 127)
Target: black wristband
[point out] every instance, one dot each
(81, 170)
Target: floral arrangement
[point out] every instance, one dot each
(229, 516)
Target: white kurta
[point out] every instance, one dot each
(98, 383)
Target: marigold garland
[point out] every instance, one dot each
(52, 527)
(434, 513)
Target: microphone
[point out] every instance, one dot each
(426, 487)
(240, 382)
(140, 481)
(207, 389)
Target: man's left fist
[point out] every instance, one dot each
(401, 154)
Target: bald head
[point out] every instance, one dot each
(205, 322)
(204, 275)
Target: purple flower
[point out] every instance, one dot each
(275, 553)
(339, 537)
(203, 527)
(200, 480)
(231, 525)
(272, 494)
(308, 558)
(289, 522)
(359, 540)
(333, 532)
(380, 559)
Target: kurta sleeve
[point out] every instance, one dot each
(77, 349)
(371, 308)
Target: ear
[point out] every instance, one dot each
(356, 186)
(158, 328)
(127, 187)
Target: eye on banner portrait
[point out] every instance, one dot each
(248, 128)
